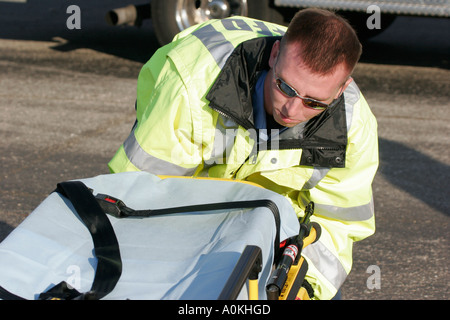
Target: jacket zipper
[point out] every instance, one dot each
(230, 117)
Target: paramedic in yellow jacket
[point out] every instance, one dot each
(245, 99)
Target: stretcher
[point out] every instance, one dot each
(135, 235)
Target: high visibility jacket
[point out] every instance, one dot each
(195, 117)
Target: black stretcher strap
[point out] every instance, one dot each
(106, 246)
(6, 295)
(118, 209)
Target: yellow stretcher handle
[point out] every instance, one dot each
(295, 269)
(302, 294)
(253, 289)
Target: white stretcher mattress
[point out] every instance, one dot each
(176, 256)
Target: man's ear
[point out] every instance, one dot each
(349, 80)
(274, 53)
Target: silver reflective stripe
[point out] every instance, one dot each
(358, 213)
(219, 47)
(317, 175)
(146, 162)
(351, 97)
(326, 263)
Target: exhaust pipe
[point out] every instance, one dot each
(131, 15)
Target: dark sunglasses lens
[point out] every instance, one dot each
(285, 88)
(314, 104)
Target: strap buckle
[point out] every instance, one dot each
(112, 206)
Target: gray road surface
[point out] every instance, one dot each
(67, 103)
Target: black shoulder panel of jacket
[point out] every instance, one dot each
(231, 93)
(325, 138)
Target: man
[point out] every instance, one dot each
(234, 98)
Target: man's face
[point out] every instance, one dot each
(287, 66)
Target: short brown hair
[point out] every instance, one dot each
(326, 40)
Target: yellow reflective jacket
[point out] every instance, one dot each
(195, 118)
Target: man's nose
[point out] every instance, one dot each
(292, 106)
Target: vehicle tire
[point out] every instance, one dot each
(169, 17)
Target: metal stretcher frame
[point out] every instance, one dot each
(294, 272)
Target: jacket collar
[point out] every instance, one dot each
(231, 93)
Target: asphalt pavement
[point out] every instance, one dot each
(67, 103)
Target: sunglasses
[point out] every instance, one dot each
(290, 92)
